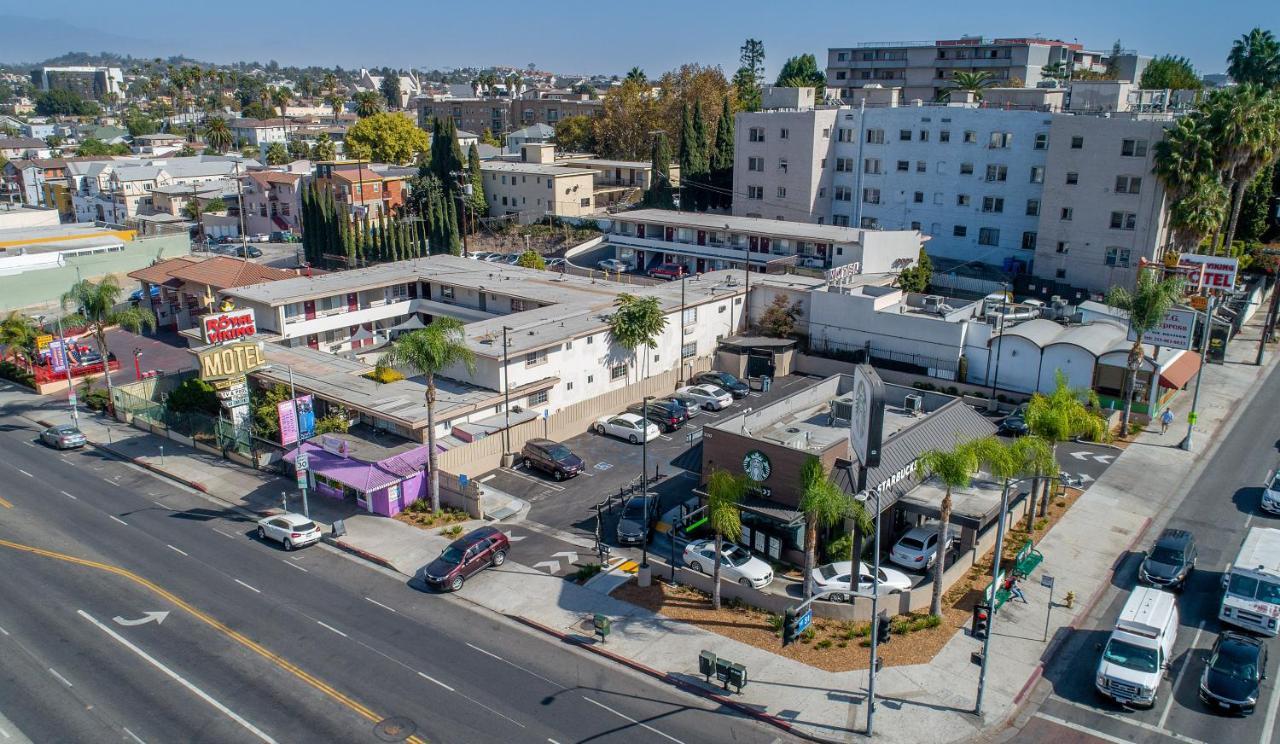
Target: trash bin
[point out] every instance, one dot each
(765, 382)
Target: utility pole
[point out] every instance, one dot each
(506, 395)
(644, 483)
(244, 237)
(681, 377)
(66, 365)
(297, 442)
(1187, 441)
(1004, 297)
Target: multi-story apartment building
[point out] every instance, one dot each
(361, 188)
(86, 81)
(502, 115)
(532, 191)
(272, 201)
(117, 190)
(260, 132)
(924, 69)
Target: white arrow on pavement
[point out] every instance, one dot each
(1104, 459)
(1084, 477)
(147, 617)
(514, 538)
(552, 566)
(568, 555)
(1082, 455)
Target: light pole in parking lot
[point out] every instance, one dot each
(644, 482)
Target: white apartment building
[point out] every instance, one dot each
(116, 190)
(261, 132)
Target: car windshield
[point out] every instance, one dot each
(1168, 556)
(1247, 587)
(910, 543)
(1275, 483)
(452, 554)
(827, 571)
(304, 526)
(559, 452)
(736, 556)
(1235, 659)
(635, 509)
(1131, 657)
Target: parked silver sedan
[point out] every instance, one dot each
(64, 436)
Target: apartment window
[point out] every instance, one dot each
(870, 223)
(755, 164)
(1041, 142)
(840, 220)
(782, 164)
(844, 135)
(1133, 148)
(689, 350)
(1037, 174)
(993, 204)
(591, 340)
(755, 192)
(920, 166)
(822, 163)
(988, 236)
(843, 193)
(1060, 274)
(1118, 257)
(1066, 214)
(1077, 142)
(1124, 221)
(904, 135)
(875, 136)
(870, 165)
(538, 398)
(1001, 140)
(970, 138)
(782, 192)
(960, 231)
(1063, 247)
(1033, 207)
(918, 198)
(756, 134)
(962, 200)
(871, 196)
(822, 192)
(842, 74)
(1128, 184)
(784, 133)
(826, 133)
(1028, 241)
(966, 169)
(842, 56)
(904, 166)
(997, 173)
(944, 135)
(915, 226)
(618, 372)
(446, 293)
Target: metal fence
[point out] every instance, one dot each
(902, 361)
(212, 432)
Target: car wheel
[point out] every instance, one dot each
(745, 582)
(632, 438)
(499, 557)
(456, 584)
(599, 428)
(695, 566)
(528, 463)
(288, 544)
(262, 534)
(558, 475)
(709, 406)
(837, 598)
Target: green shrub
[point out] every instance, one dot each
(452, 532)
(333, 424)
(586, 572)
(774, 622)
(193, 396)
(840, 549)
(11, 371)
(824, 643)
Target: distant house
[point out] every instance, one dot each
(157, 144)
(534, 133)
(272, 201)
(13, 148)
(409, 85)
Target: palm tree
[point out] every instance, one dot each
(1151, 298)
(96, 308)
(1255, 58)
(336, 103)
(428, 352)
(218, 135)
(330, 82)
(1246, 121)
(513, 82)
(281, 97)
(18, 334)
(636, 75)
(725, 492)
(955, 468)
(1061, 416)
(1200, 212)
(367, 103)
(1184, 163)
(824, 505)
(973, 82)
(637, 321)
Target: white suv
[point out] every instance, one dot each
(291, 530)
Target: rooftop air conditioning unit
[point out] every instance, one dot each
(914, 402)
(841, 410)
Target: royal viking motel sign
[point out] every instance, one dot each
(231, 360)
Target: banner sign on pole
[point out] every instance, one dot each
(58, 355)
(306, 417)
(288, 422)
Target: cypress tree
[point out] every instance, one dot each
(452, 236)
(698, 160)
(406, 245)
(658, 195)
(383, 252)
(722, 158)
(479, 205)
(305, 196)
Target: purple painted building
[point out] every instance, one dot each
(384, 487)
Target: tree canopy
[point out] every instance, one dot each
(387, 138)
(92, 146)
(1172, 72)
(802, 71)
(64, 103)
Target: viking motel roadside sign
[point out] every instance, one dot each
(231, 360)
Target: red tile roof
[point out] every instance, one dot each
(218, 272)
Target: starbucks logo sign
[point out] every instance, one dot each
(756, 465)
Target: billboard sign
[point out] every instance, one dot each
(58, 355)
(866, 424)
(306, 417)
(288, 422)
(1174, 332)
(1219, 272)
(42, 342)
(232, 360)
(220, 328)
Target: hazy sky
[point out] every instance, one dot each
(570, 36)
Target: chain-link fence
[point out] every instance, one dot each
(214, 432)
(902, 361)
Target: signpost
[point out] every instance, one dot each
(1047, 582)
(866, 423)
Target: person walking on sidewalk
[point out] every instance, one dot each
(1015, 591)
(1166, 418)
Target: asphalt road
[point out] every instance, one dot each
(264, 645)
(1219, 508)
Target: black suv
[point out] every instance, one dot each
(668, 415)
(730, 384)
(1170, 561)
(551, 457)
(1235, 671)
(1015, 424)
(638, 519)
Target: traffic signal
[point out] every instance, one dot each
(789, 621)
(882, 629)
(981, 621)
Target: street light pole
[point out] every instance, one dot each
(506, 395)
(1004, 297)
(297, 442)
(66, 365)
(644, 482)
(875, 620)
(995, 576)
(1187, 441)
(681, 378)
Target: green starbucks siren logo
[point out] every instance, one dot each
(756, 465)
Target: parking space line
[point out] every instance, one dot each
(629, 718)
(1081, 729)
(531, 479)
(1131, 721)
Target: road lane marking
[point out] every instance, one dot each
(380, 604)
(255, 590)
(118, 519)
(224, 534)
(157, 503)
(170, 547)
(1173, 691)
(294, 565)
(133, 736)
(1081, 729)
(517, 666)
(73, 498)
(60, 678)
(3, 631)
(629, 718)
(1131, 721)
(235, 635)
(179, 679)
(323, 624)
(29, 475)
(28, 443)
(1269, 725)
(438, 682)
(5, 504)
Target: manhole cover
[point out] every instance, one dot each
(396, 728)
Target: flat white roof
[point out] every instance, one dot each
(532, 168)
(757, 225)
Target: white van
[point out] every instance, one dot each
(1138, 651)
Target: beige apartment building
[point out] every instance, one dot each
(531, 191)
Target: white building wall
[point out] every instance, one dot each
(1015, 364)
(846, 321)
(809, 136)
(1075, 363)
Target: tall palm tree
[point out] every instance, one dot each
(1255, 58)
(428, 352)
(1062, 416)
(96, 307)
(330, 83)
(955, 468)
(1199, 212)
(1151, 297)
(1249, 141)
(218, 135)
(367, 102)
(636, 75)
(1184, 164)
(280, 97)
(825, 504)
(18, 334)
(972, 82)
(513, 82)
(725, 492)
(637, 322)
(337, 103)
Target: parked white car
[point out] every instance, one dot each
(736, 563)
(613, 264)
(627, 426)
(291, 530)
(709, 397)
(919, 547)
(556, 263)
(1271, 495)
(834, 577)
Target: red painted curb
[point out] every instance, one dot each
(348, 548)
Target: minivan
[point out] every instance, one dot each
(1139, 649)
(551, 457)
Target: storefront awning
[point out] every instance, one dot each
(1180, 371)
(773, 510)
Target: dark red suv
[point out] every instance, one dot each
(476, 550)
(667, 271)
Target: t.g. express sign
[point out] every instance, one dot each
(223, 327)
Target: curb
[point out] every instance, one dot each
(353, 550)
(669, 679)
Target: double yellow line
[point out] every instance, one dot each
(214, 623)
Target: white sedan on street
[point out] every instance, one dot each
(291, 530)
(736, 563)
(627, 426)
(709, 397)
(834, 577)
